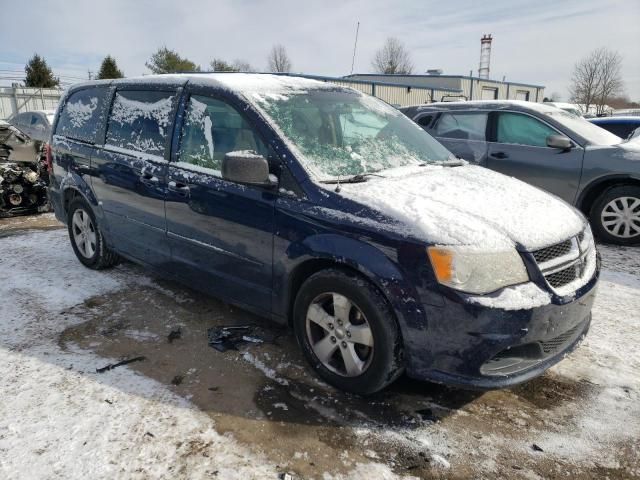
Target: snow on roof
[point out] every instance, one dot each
(540, 107)
(238, 82)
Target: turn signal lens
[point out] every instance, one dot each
(442, 263)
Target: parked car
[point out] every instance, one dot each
(620, 126)
(36, 123)
(327, 209)
(549, 148)
(567, 107)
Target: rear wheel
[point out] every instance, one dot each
(615, 215)
(86, 238)
(347, 332)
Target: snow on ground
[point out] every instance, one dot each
(64, 420)
(61, 419)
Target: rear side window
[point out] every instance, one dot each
(465, 126)
(83, 114)
(425, 120)
(140, 121)
(522, 130)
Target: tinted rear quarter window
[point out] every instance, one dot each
(83, 114)
(140, 120)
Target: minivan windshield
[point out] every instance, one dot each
(341, 133)
(591, 133)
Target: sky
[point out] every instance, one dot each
(535, 42)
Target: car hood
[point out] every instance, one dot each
(468, 205)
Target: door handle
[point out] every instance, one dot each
(499, 155)
(178, 187)
(149, 178)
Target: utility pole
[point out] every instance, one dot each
(90, 74)
(355, 45)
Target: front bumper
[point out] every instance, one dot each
(472, 346)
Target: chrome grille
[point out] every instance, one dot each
(566, 261)
(554, 251)
(568, 275)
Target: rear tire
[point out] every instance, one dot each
(353, 341)
(87, 239)
(615, 215)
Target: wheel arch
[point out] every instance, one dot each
(597, 187)
(363, 260)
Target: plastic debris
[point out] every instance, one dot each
(119, 364)
(229, 337)
(174, 335)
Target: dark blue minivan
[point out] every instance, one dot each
(327, 209)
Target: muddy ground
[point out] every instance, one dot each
(265, 396)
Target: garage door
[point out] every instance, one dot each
(489, 93)
(522, 95)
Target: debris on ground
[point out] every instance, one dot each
(23, 173)
(537, 448)
(427, 414)
(119, 364)
(174, 335)
(229, 337)
(177, 380)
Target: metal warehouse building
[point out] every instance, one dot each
(471, 88)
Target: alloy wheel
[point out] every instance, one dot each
(84, 233)
(621, 217)
(339, 334)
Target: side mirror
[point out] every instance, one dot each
(560, 142)
(246, 166)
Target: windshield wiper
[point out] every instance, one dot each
(358, 178)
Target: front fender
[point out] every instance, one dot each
(377, 263)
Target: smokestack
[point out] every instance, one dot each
(485, 55)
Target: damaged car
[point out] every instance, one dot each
(330, 211)
(23, 173)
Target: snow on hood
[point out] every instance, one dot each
(469, 205)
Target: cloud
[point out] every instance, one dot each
(535, 42)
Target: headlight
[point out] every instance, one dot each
(477, 272)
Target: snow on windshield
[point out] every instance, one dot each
(338, 132)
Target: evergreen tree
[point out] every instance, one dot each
(109, 69)
(39, 75)
(168, 61)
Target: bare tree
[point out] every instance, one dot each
(242, 66)
(596, 78)
(393, 57)
(278, 60)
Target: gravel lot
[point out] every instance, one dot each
(189, 411)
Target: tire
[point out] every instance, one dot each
(615, 215)
(370, 340)
(92, 253)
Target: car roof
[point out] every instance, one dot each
(241, 83)
(486, 105)
(621, 119)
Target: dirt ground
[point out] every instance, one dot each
(266, 398)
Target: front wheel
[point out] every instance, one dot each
(615, 215)
(348, 332)
(86, 238)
